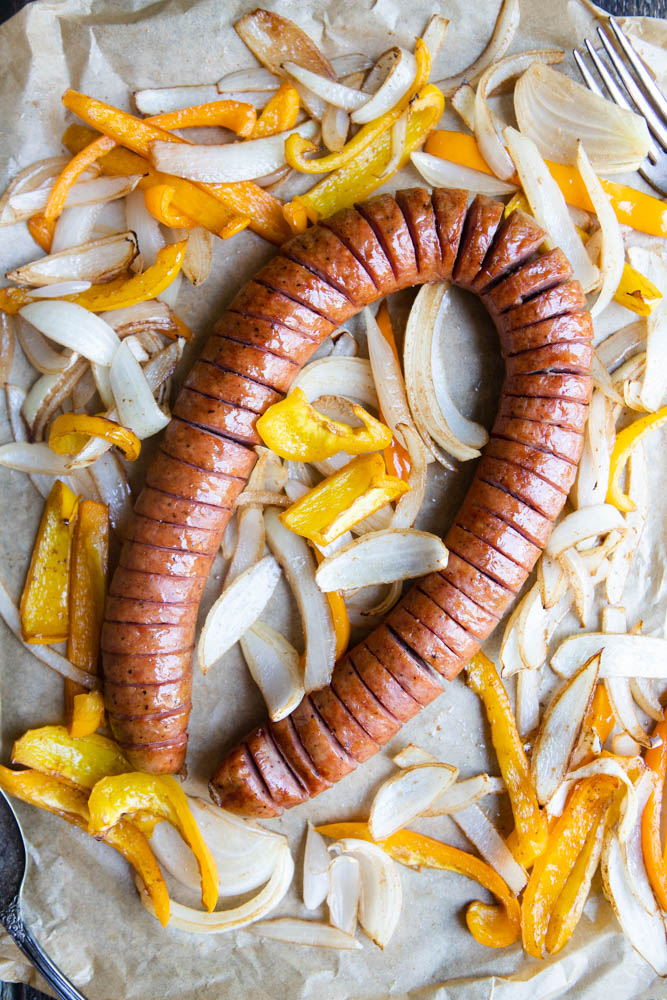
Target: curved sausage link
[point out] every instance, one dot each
(274, 324)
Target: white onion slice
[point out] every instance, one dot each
(350, 63)
(381, 893)
(198, 258)
(237, 608)
(412, 754)
(654, 383)
(408, 506)
(504, 31)
(39, 351)
(250, 78)
(463, 101)
(463, 794)
(275, 667)
(97, 260)
(110, 478)
(551, 579)
(442, 173)
(136, 405)
(481, 832)
(548, 206)
(382, 557)
(404, 796)
(296, 559)
(632, 851)
(556, 112)
(621, 559)
(344, 892)
(249, 547)
(623, 745)
(622, 344)
(613, 249)
(291, 930)
(336, 94)
(624, 709)
(434, 34)
(527, 701)
(344, 345)
(588, 522)
(593, 475)
(15, 399)
(151, 315)
(348, 377)
(163, 364)
(511, 661)
(33, 458)
(38, 174)
(644, 694)
(49, 393)
(532, 629)
(75, 327)
(560, 729)
(84, 192)
(76, 225)
(403, 67)
(581, 582)
(315, 869)
(232, 161)
(60, 290)
(621, 655)
(387, 375)
(162, 100)
(147, 229)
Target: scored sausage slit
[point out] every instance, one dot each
(412, 673)
(357, 236)
(257, 347)
(318, 273)
(386, 685)
(223, 435)
(387, 221)
(450, 208)
(236, 315)
(227, 402)
(293, 296)
(242, 375)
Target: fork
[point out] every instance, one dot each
(638, 93)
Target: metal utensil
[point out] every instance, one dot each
(630, 86)
(13, 864)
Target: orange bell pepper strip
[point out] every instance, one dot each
(159, 201)
(654, 859)
(160, 794)
(633, 208)
(44, 607)
(69, 432)
(626, 440)
(339, 615)
(89, 567)
(490, 925)
(243, 199)
(396, 456)
(600, 715)
(71, 804)
(636, 292)
(531, 827)
(238, 116)
(280, 114)
(588, 802)
(140, 287)
(296, 216)
(87, 714)
(81, 761)
(343, 499)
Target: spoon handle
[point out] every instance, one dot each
(31, 948)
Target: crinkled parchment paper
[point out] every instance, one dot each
(80, 898)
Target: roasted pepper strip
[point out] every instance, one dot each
(339, 615)
(159, 202)
(633, 208)
(636, 292)
(600, 716)
(71, 804)
(626, 440)
(654, 859)
(87, 714)
(396, 456)
(139, 288)
(69, 432)
(296, 146)
(358, 178)
(87, 591)
(113, 797)
(238, 116)
(294, 429)
(343, 499)
(244, 199)
(44, 608)
(587, 804)
(490, 925)
(280, 114)
(83, 761)
(570, 904)
(531, 828)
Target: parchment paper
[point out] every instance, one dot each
(80, 899)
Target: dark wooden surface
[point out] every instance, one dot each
(628, 8)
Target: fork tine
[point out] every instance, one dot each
(641, 102)
(639, 68)
(588, 77)
(615, 91)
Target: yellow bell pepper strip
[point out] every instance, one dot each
(13, 299)
(280, 114)
(71, 804)
(296, 146)
(295, 430)
(587, 804)
(87, 714)
(82, 761)
(238, 116)
(139, 288)
(490, 925)
(43, 224)
(531, 828)
(69, 432)
(633, 208)
(296, 216)
(518, 202)
(636, 292)
(396, 456)
(626, 440)
(159, 202)
(654, 859)
(160, 794)
(343, 499)
(363, 174)
(44, 609)
(243, 199)
(89, 565)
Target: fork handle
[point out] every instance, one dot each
(31, 948)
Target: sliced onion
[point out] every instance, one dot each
(400, 67)
(110, 479)
(463, 101)
(344, 892)
(162, 100)
(250, 78)
(146, 228)
(624, 709)
(249, 546)
(39, 351)
(229, 538)
(33, 458)
(398, 137)
(551, 579)
(61, 290)
(15, 400)
(588, 522)
(527, 701)
(581, 582)
(404, 796)
(511, 660)
(7, 343)
(262, 498)
(315, 869)
(621, 560)
(350, 63)
(76, 225)
(137, 408)
(381, 894)
(548, 206)
(198, 256)
(237, 608)
(602, 380)
(296, 559)
(275, 667)
(556, 113)
(560, 729)
(10, 615)
(645, 696)
(368, 605)
(97, 260)
(621, 345)
(434, 34)
(621, 655)
(613, 249)
(344, 345)
(162, 365)
(654, 382)
(623, 745)
(412, 755)
(348, 377)
(632, 851)
(382, 557)
(35, 175)
(481, 832)
(291, 930)
(48, 393)
(336, 94)
(75, 327)
(463, 794)
(152, 315)
(335, 128)
(503, 35)
(532, 628)
(594, 468)
(442, 173)
(409, 505)
(84, 192)
(387, 376)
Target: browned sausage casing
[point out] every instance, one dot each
(315, 282)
